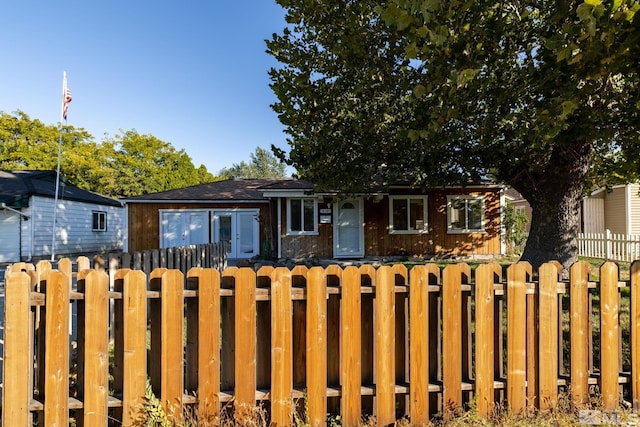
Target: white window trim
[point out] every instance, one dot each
(466, 230)
(99, 213)
(291, 232)
(425, 207)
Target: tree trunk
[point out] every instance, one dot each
(554, 195)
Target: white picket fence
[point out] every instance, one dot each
(614, 247)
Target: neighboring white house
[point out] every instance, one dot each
(616, 210)
(85, 221)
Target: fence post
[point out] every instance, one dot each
(18, 360)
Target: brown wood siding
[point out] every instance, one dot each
(378, 241)
(306, 246)
(144, 220)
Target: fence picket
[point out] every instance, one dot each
(452, 339)
(56, 383)
(96, 353)
(245, 341)
(609, 335)
(484, 303)
(316, 343)
(419, 349)
(207, 282)
(580, 332)
(516, 337)
(384, 325)
(635, 334)
(17, 352)
(548, 341)
(281, 348)
(350, 333)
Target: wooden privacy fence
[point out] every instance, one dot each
(350, 341)
(183, 258)
(608, 245)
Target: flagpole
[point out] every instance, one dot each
(55, 199)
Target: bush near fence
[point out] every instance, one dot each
(423, 342)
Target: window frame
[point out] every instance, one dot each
(425, 211)
(95, 219)
(466, 198)
(302, 232)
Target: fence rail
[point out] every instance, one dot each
(422, 342)
(610, 246)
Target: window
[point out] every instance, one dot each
(407, 214)
(465, 214)
(301, 216)
(99, 221)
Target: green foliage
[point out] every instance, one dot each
(543, 96)
(263, 164)
(515, 229)
(155, 414)
(127, 165)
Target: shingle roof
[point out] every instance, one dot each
(17, 187)
(245, 189)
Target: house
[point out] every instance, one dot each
(231, 211)
(616, 209)
(287, 218)
(85, 222)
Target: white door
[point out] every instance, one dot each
(182, 228)
(9, 236)
(348, 229)
(239, 229)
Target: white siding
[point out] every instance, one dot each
(9, 236)
(634, 206)
(593, 215)
(615, 210)
(74, 228)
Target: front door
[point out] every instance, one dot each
(348, 230)
(239, 229)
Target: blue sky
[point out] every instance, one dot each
(192, 73)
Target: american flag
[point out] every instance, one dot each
(66, 98)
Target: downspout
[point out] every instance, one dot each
(279, 227)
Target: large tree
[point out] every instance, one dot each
(263, 164)
(128, 164)
(540, 95)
